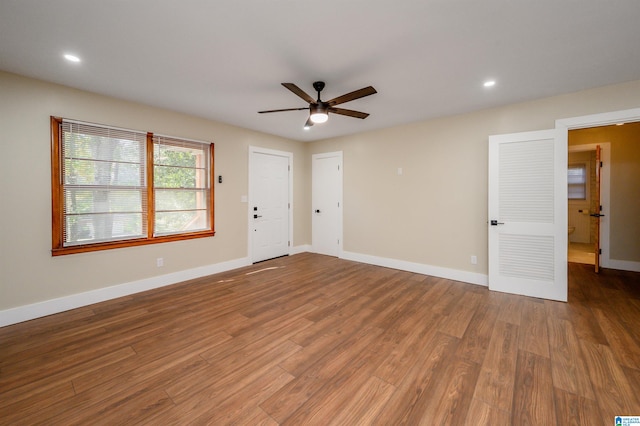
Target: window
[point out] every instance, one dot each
(116, 188)
(180, 186)
(577, 179)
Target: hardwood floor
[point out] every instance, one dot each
(310, 339)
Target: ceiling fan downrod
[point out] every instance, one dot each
(318, 85)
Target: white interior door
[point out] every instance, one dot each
(528, 214)
(269, 204)
(326, 194)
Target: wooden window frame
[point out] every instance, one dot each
(57, 210)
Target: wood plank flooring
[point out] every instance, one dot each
(310, 339)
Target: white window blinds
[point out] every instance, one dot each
(577, 181)
(103, 183)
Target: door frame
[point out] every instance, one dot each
(605, 182)
(595, 120)
(340, 229)
(266, 151)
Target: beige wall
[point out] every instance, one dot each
(435, 213)
(624, 239)
(29, 274)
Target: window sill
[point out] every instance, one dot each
(128, 243)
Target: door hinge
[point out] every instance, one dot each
(601, 164)
(289, 168)
(599, 251)
(338, 241)
(289, 206)
(600, 208)
(338, 166)
(288, 243)
(338, 203)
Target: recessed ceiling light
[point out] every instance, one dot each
(489, 83)
(71, 58)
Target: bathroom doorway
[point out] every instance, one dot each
(582, 195)
(618, 134)
(588, 203)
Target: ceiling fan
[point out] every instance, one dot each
(319, 110)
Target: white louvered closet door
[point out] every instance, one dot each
(528, 214)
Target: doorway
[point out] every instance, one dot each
(620, 228)
(270, 221)
(589, 188)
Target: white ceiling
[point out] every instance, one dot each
(225, 59)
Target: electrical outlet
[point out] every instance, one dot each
(474, 260)
(159, 262)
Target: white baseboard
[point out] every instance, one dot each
(54, 306)
(419, 268)
(625, 265)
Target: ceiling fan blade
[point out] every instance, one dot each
(298, 91)
(280, 110)
(349, 112)
(357, 94)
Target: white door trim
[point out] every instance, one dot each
(595, 120)
(289, 156)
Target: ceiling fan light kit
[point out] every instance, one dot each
(319, 110)
(319, 113)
